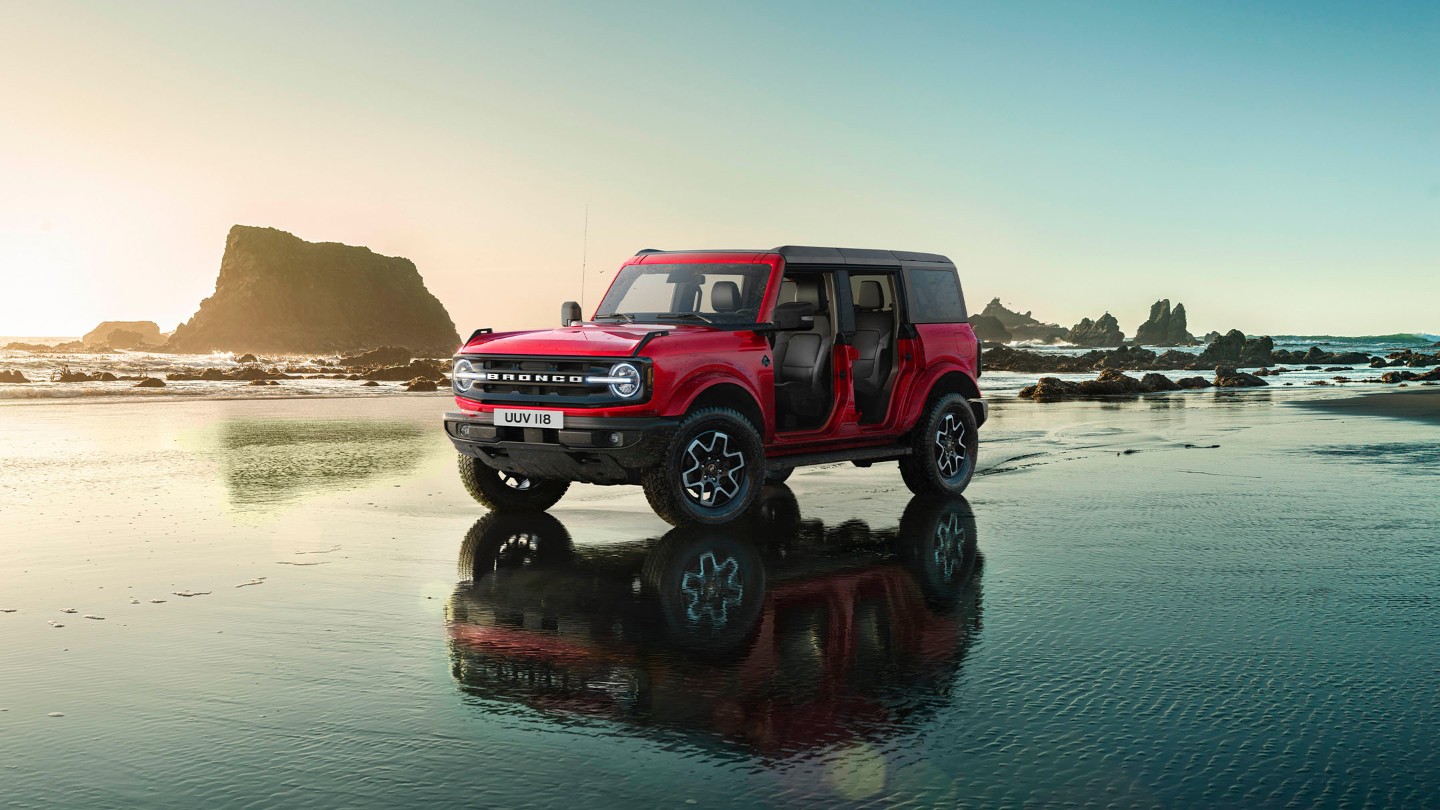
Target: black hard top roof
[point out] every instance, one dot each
(810, 254)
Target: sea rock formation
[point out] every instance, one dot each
(1165, 327)
(124, 334)
(1099, 333)
(1023, 326)
(989, 329)
(9, 376)
(277, 293)
(1226, 377)
(383, 356)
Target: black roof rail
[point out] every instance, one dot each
(811, 254)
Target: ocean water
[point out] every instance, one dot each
(1212, 600)
(39, 366)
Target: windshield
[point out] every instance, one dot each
(704, 293)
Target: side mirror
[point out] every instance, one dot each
(570, 313)
(794, 316)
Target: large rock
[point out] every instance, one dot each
(277, 293)
(8, 376)
(1101, 333)
(1165, 327)
(132, 334)
(989, 329)
(1023, 326)
(1227, 377)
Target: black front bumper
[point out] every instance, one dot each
(586, 449)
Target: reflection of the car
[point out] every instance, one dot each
(780, 633)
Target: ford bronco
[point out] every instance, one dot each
(705, 374)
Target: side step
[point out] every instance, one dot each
(864, 456)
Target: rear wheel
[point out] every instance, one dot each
(711, 472)
(508, 492)
(944, 449)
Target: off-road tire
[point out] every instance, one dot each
(925, 469)
(665, 483)
(489, 486)
(511, 540)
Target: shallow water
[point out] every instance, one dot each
(1181, 624)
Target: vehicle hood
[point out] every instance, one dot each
(590, 340)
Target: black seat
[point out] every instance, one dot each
(725, 296)
(802, 359)
(874, 337)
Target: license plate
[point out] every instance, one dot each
(530, 419)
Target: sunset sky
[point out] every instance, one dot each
(1276, 167)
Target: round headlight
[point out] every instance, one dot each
(631, 387)
(460, 376)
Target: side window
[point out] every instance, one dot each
(878, 295)
(934, 296)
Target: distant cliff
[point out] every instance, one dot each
(124, 334)
(280, 294)
(1023, 326)
(1164, 327)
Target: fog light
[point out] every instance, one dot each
(615, 439)
(465, 430)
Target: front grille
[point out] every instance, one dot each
(557, 381)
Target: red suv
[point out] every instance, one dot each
(705, 374)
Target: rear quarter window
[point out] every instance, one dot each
(934, 296)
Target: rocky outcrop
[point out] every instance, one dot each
(1099, 333)
(1023, 326)
(150, 382)
(8, 376)
(1110, 383)
(989, 329)
(383, 356)
(277, 293)
(1226, 377)
(1165, 327)
(124, 334)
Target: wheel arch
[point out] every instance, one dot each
(953, 382)
(722, 393)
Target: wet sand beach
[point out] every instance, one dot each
(1194, 599)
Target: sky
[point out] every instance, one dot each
(1274, 166)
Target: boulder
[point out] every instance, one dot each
(1158, 382)
(987, 328)
(1100, 333)
(246, 358)
(1227, 377)
(369, 384)
(8, 376)
(1397, 376)
(383, 356)
(1051, 389)
(134, 333)
(1020, 326)
(1192, 383)
(1111, 382)
(421, 384)
(1164, 327)
(151, 382)
(278, 293)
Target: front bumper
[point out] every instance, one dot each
(591, 449)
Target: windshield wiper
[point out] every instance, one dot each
(625, 316)
(665, 316)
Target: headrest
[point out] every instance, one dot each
(725, 296)
(808, 292)
(787, 292)
(869, 296)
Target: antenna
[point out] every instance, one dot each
(584, 256)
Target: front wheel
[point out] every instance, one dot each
(508, 492)
(944, 449)
(712, 471)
